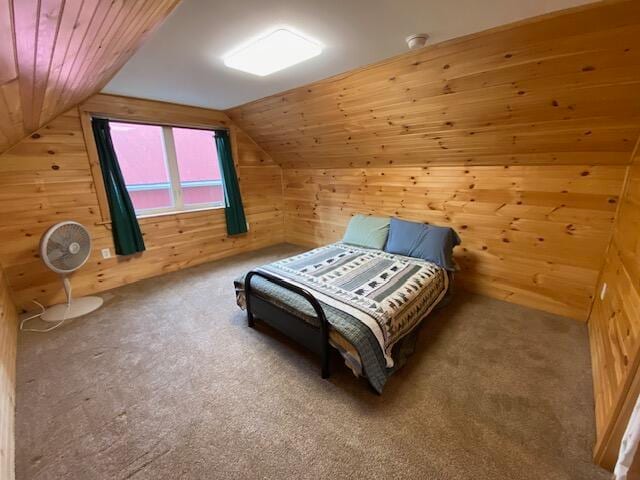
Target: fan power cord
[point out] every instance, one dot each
(42, 308)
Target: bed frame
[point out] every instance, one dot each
(314, 338)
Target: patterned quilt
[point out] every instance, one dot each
(389, 293)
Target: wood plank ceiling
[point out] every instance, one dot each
(56, 53)
(560, 89)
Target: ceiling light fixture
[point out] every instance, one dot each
(277, 50)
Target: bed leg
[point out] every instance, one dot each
(325, 369)
(325, 372)
(250, 320)
(324, 342)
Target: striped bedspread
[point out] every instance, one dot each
(389, 293)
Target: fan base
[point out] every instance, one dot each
(79, 306)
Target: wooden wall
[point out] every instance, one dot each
(8, 341)
(46, 178)
(518, 137)
(614, 325)
(530, 235)
(56, 53)
(556, 90)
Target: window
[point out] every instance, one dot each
(168, 169)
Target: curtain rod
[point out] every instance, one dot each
(159, 124)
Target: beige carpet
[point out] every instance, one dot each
(167, 382)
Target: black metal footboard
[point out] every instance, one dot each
(314, 338)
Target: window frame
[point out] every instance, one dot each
(130, 110)
(175, 184)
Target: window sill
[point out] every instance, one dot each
(174, 213)
(179, 212)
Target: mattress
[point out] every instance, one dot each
(373, 301)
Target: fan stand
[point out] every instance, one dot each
(73, 308)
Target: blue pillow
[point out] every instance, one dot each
(367, 231)
(419, 240)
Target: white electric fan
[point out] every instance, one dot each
(64, 248)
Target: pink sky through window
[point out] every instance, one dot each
(197, 154)
(140, 152)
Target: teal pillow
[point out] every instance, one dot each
(367, 231)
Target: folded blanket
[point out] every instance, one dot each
(370, 363)
(388, 293)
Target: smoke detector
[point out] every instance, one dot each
(417, 40)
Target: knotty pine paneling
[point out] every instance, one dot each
(532, 235)
(614, 324)
(518, 137)
(559, 89)
(8, 341)
(56, 53)
(46, 178)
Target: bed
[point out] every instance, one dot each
(364, 302)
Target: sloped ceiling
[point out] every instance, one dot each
(559, 89)
(354, 33)
(56, 53)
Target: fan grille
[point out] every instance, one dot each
(67, 247)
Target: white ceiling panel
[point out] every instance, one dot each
(182, 62)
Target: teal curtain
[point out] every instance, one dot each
(233, 210)
(124, 224)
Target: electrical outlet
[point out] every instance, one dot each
(603, 291)
(106, 253)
